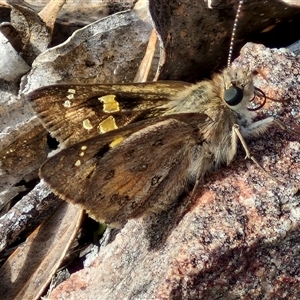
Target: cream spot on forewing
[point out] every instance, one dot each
(67, 104)
(83, 148)
(87, 124)
(78, 163)
(116, 142)
(70, 96)
(109, 103)
(107, 125)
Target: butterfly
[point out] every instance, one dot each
(131, 149)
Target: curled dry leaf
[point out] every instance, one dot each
(108, 50)
(12, 66)
(37, 203)
(34, 33)
(23, 155)
(12, 35)
(31, 267)
(83, 12)
(23, 142)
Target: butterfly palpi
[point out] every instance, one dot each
(132, 149)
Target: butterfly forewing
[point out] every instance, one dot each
(72, 113)
(118, 175)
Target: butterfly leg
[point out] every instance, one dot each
(284, 127)
(237, 132)
(259, 127)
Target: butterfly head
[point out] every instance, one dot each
(236, 88)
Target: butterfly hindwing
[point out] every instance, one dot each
(119, 175)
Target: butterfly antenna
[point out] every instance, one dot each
(233, 32)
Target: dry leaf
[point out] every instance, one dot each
(12, 66)
(147, 62)
(23, 142)
(108, 50)
(196, 38)
(83, 12)
(29, 270)
(50, 12)
(33, 31)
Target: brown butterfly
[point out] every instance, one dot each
(132, 149)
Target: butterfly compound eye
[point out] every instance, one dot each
(233, 96)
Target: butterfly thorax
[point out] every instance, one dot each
(207, 97)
